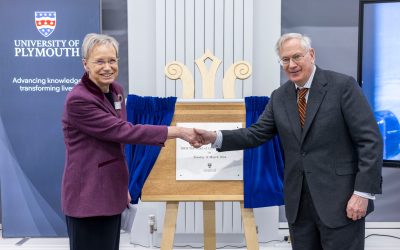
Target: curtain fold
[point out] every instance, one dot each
(262, 166)
(141, 158)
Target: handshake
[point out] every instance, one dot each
(194, 136)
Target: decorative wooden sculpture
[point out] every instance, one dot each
(239, 70)
(162, 185)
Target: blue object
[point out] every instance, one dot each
(141, 158)
(390, 130)
(262, 166)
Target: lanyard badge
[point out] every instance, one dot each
(118, 103)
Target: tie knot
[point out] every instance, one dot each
(302, 92)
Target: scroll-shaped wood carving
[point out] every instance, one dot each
(176, 70)
(208, 76)
(239, 70)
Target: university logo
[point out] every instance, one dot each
(45, 22)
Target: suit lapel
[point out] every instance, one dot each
(291, 109)
(315, 98)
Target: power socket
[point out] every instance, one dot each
(152, 223)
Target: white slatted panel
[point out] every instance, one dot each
(161, 80)
(198, 220)
(189, 36)
(180, 16)
(190, 213)
(218, 43)
(219, 217)
(198, 40)
(181, 220)
(238, 37)
(170, 42)
(228, 36)
(227, 217)
(185, 29)
(248, 43)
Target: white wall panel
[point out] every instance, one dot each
(238, 38)
(219, 42)
(199, 46)
(142, 47)
(190, 215)
(227, 217)
(180, 44)
(169, 23)
(192, 27)
(219, 217)
(189, 36)
(198, 220)
(160, 35)
(209, 24)
(181, 220)
(248, 44)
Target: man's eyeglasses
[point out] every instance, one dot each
(295, 58)
(101, 62)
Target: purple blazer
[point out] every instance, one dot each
(95, 180)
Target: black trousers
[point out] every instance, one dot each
(94, 233)
(309, 233)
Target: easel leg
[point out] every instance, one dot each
(249, 227)
(209, 225)
(171, 213)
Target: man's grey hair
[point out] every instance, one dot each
(305, 41)
(93, 39)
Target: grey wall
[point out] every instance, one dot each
(114, 23)
(265, 61)
(333, 28)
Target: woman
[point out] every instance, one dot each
(95, 180)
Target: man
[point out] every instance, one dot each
(332, 148)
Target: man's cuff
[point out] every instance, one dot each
(218, 140)
(365, 195)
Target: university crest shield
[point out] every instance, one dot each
(45, 22)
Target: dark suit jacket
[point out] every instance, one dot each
(338, 151)
(95, 180)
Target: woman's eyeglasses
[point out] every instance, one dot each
(102, 62)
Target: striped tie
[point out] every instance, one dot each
(302, 105)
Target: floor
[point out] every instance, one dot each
(372, 243)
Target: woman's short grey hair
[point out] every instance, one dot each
(305, 41)
(93, 39)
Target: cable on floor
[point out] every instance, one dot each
(383, 235)
(202, 246)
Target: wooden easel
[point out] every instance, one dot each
(161, 185)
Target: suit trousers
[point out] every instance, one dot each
(94, 233)
(309, 233)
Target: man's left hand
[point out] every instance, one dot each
(356, 207)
